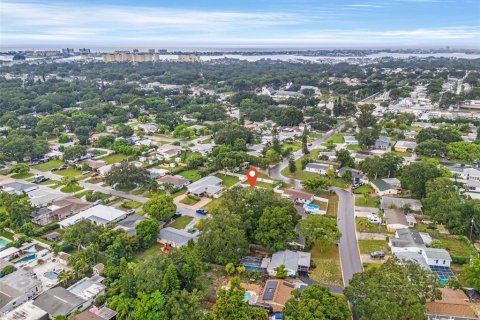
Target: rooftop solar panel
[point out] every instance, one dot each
(269, 290)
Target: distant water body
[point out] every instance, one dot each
(299, 57)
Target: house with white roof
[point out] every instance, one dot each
(405, 146)
(294, 262)
(210, 186)
(100, 215)
(168, 151)
(319, 168)
(351, 140)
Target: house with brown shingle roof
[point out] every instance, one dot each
(453, 305)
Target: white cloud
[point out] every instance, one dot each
(37, 22)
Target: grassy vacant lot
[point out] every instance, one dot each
(115, 158)
(22, 175)
(152, 251)
(181, 222)
(336, 138)
(71, 189)
(192, 175)
(367, 246)
(372, 202)
(228, 181)
(47, 166)
(130, 204)
(354, 148)
(363, 189)
(70, 172)
(295, 146)
(457, 247)
(268, 186)
(327, 261)
(212, 205)
(190, 200)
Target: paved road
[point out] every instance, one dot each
(275, 172)
(93, 186)
(349, 255)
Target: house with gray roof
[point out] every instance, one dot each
(129, 223)
(294, 262)
(407, 240)
(19, 187)
(26, 311)
(320, 168)
(351, 140)
(209, 186)
(382, 143)
(59, 301)
(396, 219)
(16, 288)
(175, 237)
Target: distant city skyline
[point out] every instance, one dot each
(240, 24)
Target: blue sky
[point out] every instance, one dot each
(246, 23)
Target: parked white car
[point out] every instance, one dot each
(373, 218)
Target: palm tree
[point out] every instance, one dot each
(70, 182)
(65, 276)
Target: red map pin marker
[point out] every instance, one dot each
(252, 175)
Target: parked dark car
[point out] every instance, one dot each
(53, 169)
(377, 254)
(176, 216)
(202, 212)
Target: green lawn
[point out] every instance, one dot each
(71, 189)
(192, 175)
(365, 188)
(94, 180)
(115, 158)
(82, 194)
(70, 172)
(207, 141)
(190, 200)
(336, 138)
(367, 246)
(228, 181)
(299, 174)
(327, 264)
(47, 166)
(125, 188)
(213, 205)
(22, 175)
(456, 247)
(354, 148)
(264, 185)
(181, 222)
(295, 146)
(372, 202)
(153, 250)
(130, 204)
(363, 225)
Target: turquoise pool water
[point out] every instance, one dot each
(3, 242)
(247, 296)
(313, 206)
(25, 260)
(51, 275)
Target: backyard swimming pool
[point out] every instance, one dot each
(25, 260)
(51, 275)
(3, 242)
(250, 297)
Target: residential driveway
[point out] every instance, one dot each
(371, 236)
(348, 247)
